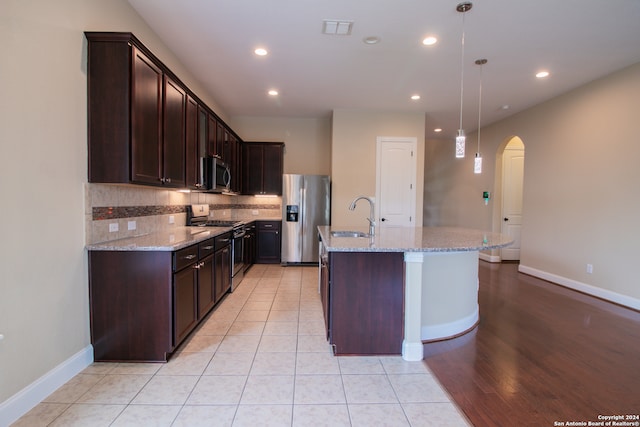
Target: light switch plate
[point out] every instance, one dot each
(131, 225)
(113, 227)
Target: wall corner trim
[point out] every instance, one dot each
(27, 398)
(594, 291)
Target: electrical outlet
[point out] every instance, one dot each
(113, 227)
(131, 225)
(172, 219)
(255, 212)
(589, 268)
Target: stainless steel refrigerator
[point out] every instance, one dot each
(306, 204)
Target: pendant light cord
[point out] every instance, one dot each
(462, 70)
(480, 106)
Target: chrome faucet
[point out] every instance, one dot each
(372, 218)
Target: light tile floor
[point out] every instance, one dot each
(259, 359)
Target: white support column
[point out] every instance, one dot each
(412, 344)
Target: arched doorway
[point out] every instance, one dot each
(512, 189)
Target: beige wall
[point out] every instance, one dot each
(307, 140)
(353, 158)
(44, 313)
(581, 197)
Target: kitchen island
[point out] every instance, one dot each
(388, 293)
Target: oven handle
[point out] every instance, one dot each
(239, 234)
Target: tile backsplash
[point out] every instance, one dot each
(139, 210)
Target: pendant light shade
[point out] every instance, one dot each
(477, 162)
(460, 142)
(460, 138)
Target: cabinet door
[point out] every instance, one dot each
(174, 113)
(251, 169)
(222, 272)
(249, 248)
(268, 242)
(192, 157)
(212, 136)
(233, 161)
(272, 169)
(146, 114)
(185, 313)
(206, 286)
(222, 149)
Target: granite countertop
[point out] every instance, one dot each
(413, 239)
(171, 240)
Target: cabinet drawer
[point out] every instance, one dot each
(268, 225)
(206, 248)
(185, 257)
(223, 240)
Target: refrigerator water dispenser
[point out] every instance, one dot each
(292, 213)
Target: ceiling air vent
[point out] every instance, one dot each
(337, 27)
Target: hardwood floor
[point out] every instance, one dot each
(541, 354)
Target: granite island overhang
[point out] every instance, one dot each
(440, 275)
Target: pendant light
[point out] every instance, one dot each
(477, 162)
(460, 138)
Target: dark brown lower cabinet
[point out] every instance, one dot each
(131, 303)
(268, 242)
(145, 303)
(366, 302)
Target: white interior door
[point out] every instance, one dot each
(512, 182)
(396, 181)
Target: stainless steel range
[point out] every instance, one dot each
(198, 216)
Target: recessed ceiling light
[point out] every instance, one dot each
(273, 92)
(505, 107)
(428, 41)
(371, 40)
(542, 74)
(437, 130)
(260, 51)
(415, 97)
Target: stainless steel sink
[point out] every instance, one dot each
(339, 233)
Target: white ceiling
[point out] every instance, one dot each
(575, 40)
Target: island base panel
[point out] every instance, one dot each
(366, 303)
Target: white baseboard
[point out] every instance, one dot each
(27, 398)
(604, 294)
(490, 258)
(451, 329)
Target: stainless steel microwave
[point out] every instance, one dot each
(217, 175)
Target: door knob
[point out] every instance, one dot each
(383, 219)
(506, 219)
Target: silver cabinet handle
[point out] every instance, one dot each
(224, 240)
(268, 225)
(208, 248)
(189, 257)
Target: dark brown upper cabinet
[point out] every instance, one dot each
(145, 125)
(262, 166)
